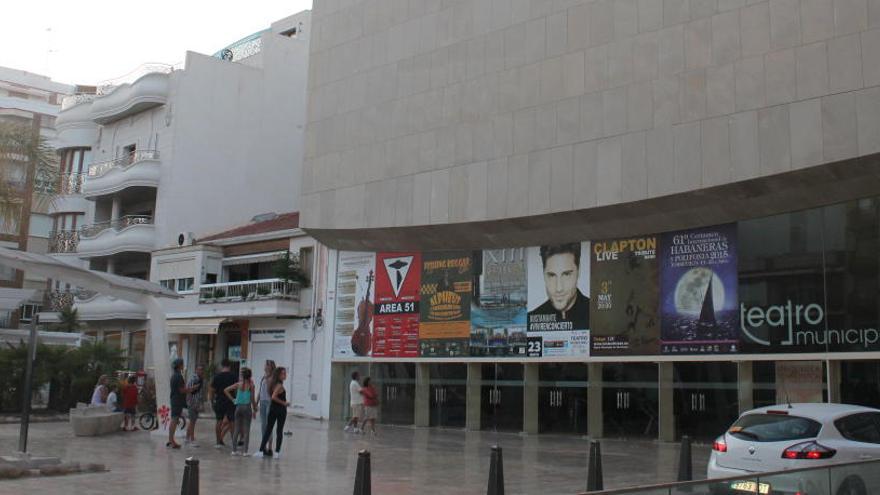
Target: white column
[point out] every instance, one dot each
(115, 208)
(161, 365)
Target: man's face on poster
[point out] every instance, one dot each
(560, 279)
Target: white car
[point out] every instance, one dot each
(795, 436)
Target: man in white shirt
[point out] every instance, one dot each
(357, 403)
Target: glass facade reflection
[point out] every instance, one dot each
(562, 398)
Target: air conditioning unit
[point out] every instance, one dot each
(185, 239)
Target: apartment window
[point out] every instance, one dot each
(28, 311)
(167, 284)
(210, 278)
(185, 284)
(18, 94)
(128, 152)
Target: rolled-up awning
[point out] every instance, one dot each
(194, 326)
(247, 259)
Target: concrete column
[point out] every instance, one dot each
(423, 395)
(338, 385)
(745, 386)
(474, 389)
(666, 397)
(833, 381)
(595, 418)
(115, 209)
(530, 399)
(111, 265)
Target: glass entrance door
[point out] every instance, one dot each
(501, 395)
(705, 399)
(396, 383)
(448, 395)
(562, 395)
(630, 400)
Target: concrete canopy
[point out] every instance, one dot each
(129, 289)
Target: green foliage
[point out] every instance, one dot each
(219, 293)
(70, 372)
(20, 148)
(288, 269)
(68, 321)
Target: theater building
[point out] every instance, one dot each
(618, 218)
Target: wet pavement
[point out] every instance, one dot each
(321, 459)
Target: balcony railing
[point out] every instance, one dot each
(72, 183)
(107, 87)
(74, 100)
(101, 168)
(63, 241)
(118, 224)
(251, 290)
(62, 299)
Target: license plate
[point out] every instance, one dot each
(751, 487)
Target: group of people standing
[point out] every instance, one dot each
(364, 402)
(236, 400)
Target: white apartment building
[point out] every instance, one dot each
(30, 100)
(166, 155)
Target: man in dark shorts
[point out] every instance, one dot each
(178, 401)
(224, 410)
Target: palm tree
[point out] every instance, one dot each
(25, 157)
(68, 320)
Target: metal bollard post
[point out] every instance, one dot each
(594, 468)
(184, 487)
(362, 482)
(190, 477)
(496, 472)
(685, 461)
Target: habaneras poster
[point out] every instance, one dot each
(698, 289)
(396, 320)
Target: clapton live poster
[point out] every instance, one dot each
(698, 289)
(354, 304)
(625, 299)
(396, 319)
(558, 300)
(445, 304)
(498, 305)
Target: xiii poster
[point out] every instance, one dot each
(445, 305)
(354, 304)
(698, 289)
(625, 302)
(498, 305)
(558, 300)
(396, 320)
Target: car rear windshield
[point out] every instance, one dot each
(774, 428)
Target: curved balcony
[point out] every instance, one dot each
(74, 124)
(128, 233)
(140, 168)
(96, 307)
(127, 99)
(70, 199)
(63, 241)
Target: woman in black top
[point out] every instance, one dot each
(277, 413)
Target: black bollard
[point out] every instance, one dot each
(594, 468)
(685, 462)
(190, 484)
(362, 483)
(496, 473)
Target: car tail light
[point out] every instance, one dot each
(720, 445)
(808, 450)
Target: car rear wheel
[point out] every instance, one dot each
(852, 486)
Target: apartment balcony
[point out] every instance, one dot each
(91, 306)
(70, 198)
(63, 241)
(74, 125)
(128, 233)
(139, 168)
(264, 297)
(120, 101)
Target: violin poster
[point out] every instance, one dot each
(396, 315)
(445, 306)
(354, 304)
(625, 298)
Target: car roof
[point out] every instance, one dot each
(821, 412)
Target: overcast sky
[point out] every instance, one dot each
(89, 41)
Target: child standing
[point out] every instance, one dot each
(129, 403)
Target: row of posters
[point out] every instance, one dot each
(672, 293)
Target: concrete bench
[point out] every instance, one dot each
(91, 421)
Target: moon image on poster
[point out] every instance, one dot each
(691, 289)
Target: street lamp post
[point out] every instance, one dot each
(28, 385)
